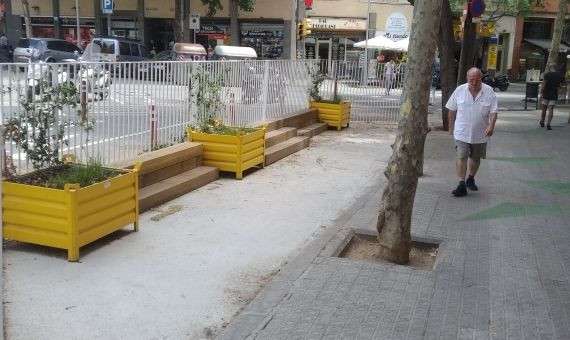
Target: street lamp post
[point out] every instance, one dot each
(366, 46)
(78, 28)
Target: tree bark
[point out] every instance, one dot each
(557, 34)
(177, 22)
(447, 71)
(404, 167)
(466, 59)
(27, 20)
(234, 26)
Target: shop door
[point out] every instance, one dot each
(324, 52)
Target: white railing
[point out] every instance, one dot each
(135, 107)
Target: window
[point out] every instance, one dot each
(24, 43)
(144, 51)
(135, 50)
(124, 48)
(69, 47)
(107, 46)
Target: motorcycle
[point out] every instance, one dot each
(500, 82)
(86, 76)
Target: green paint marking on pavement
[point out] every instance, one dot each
(560, 188)
(509, 209)
(523, 160)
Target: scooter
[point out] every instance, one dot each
(87, 77)
(500, 82)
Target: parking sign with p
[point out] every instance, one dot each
(107, 6)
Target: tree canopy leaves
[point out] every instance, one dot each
(216, 5)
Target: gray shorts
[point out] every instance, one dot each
(473, 151)
(548, 102)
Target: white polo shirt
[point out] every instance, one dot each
(472, 114)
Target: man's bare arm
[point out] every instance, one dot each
(492, 120)
(451, 119)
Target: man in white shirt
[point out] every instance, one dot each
(472, 116)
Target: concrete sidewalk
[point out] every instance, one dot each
(502, 271)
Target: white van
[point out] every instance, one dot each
(233, 53)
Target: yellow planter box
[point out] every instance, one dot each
(335, 115)
(232, 153)
(72, 217)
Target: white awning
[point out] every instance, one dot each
(546, 43)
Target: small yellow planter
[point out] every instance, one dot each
(232, 153)
(72, 217)
(335, 115)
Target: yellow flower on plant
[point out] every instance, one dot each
(218, 123)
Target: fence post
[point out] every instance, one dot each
(265, 92)
(153, 128)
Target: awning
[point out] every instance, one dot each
(545, 44)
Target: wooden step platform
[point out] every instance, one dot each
(313, 129)
(169, 173)
(280, 135)
(175, 186)
(286, 148)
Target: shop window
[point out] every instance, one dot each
(536, 30)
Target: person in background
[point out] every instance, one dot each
(549, 93)
(389, 74)
(472, 117)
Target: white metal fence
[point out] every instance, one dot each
(134, 107)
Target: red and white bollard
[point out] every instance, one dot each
(232, 109)
(83, 99)
(153, 127)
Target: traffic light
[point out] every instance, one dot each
(306, 27)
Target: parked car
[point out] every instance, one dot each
(222, 52)
(45, 49)
(115, 49)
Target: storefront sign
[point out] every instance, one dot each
(393, 35)
(492, 53)
(158, 9)
(396, 22)
(348, 24)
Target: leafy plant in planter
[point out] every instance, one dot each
(335, 112)
(228, 148)
(61, 205)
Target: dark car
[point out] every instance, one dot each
(45, 49)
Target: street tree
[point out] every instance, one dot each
(495, 9)
(557, 34)
(234, 7)
(177, 26)
(27, 20)
(405, 165)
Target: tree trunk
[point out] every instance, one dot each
(557, 34)
(466, 59)
(27, 20)
(404, 167)
(177, 22)
(447, 71)
(234, 26)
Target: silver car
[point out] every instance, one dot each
(45, 49)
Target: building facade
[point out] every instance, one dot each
(337, 25)
(269, 29)
(533, 40)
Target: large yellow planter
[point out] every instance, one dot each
(72, 217)
(232, 153)
(335, 115)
